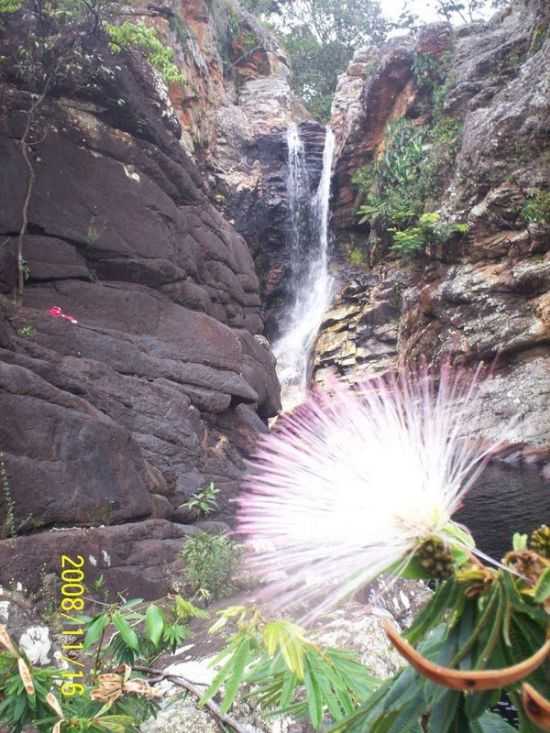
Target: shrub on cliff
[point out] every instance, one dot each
(399, 189)
(210, 564)
(536, 209)
(60, 32)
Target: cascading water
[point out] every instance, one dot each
(311, 284)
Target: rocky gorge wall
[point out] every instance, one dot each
(108, 424)
(485, 297)
(235, 110)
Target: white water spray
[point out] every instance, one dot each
(312, 284)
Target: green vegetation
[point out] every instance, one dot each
(478, 619)
(399, 188)
(205, 500)
(356, 257)
(119, 699)
(284, 670)
(394, 187)
(320, 37)
(115, 634)
(42, 697)
(129, 36)
(210, 564)
(536, 209)
(236, 37)
(60, 21)
(429, 231)
(10, 6)
(26, 331)
(458, 11)
(428, 71)
(10, 527)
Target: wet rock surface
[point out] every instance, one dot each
(234, 112)
(122, 415)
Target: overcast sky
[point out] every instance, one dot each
(392, 9)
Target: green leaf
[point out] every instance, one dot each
(477, 704)
(289, 638)
(185, 609)
(96, 629)
(131, 604)
(542, 588)
(412, 571)
(287, 691)
(154, 624)
(314, 702)
(127, 634)
(239, 662)
(492, 723)
(409, 715)
(444, 599)
(115, 723)
(443, 713)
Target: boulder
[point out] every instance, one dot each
(140, 560)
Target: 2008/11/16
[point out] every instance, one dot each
(72, 599)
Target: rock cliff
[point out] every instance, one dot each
(165, 379)
(235, 109)
(482, 297)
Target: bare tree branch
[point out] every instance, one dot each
(210, 704)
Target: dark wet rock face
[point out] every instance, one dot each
(256, 199)
(164, 381)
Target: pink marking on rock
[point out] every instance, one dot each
(57, 312)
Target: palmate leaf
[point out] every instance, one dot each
(240, 652)
(334, 683)
(120, 651)
(289, 639)
(398, 704)
(314, 698)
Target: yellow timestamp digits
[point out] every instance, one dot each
(72, 599)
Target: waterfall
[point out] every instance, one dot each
(311, 284)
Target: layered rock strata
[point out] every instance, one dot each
(150, 377)
(484, 297)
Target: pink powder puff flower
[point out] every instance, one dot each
(354, 481)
